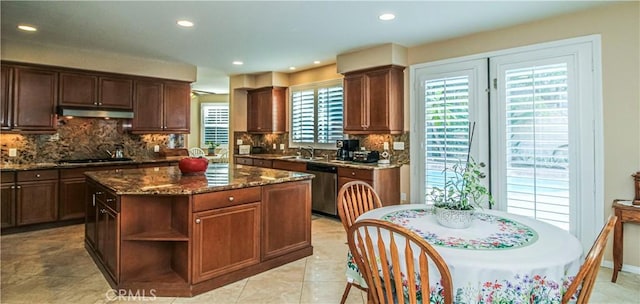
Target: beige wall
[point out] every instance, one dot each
(95, 61)
(619, 27)
(193, 140)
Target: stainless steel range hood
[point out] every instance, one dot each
(95, 113)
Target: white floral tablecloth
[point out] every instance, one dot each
(501, 258)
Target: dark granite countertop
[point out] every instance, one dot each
(322, 160)
(170, 181)
(43, 166)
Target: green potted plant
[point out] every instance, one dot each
(455, 204)
(211, 147)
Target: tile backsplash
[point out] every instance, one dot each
(83, 138)
(370, 142)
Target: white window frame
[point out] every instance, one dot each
(202, 126)
(314, 85)
(589, 214)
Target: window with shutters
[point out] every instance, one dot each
(316, 115)
(215, 123)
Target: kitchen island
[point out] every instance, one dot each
(156, 231)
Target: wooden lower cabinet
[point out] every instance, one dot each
(286, 210)
(107, 240)
(72, 198)
(386, 182)
(8, 200)
(36, 197)
(225, 240)
(289, 165)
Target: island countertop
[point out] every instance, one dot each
(170, 181)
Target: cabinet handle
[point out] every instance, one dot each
(231, 198)
(197, 221)
(93, 200)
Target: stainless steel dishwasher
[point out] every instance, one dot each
(324, 188)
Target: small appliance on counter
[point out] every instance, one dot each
(366, 156)
(244, 149)
(258, 150)
(346, 147)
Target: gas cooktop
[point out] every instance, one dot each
(93, 160)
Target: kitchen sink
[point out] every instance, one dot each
(301, 158)
(340, 161)
(94, 160)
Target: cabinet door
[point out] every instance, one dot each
(116, 93)
(37, 202)
(6, 76)
(72, 198)
(225, 240)
(377, 107)
(80, 90)
(258, 111)
(7, 205)
(91, 209)
(354, 98)
(176, 107)
(147, 106)
(34, 99)
(107, 227)
(286, 211)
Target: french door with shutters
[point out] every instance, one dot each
(541, 129)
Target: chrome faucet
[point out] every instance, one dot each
(309, 149)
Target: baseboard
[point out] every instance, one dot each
(625, 267)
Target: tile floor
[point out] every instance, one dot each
(52, 266)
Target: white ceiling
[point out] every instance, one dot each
(265, 35)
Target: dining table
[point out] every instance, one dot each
(500, 258)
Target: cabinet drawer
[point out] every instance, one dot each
(362, 174)
(73, 173)
(265, 163)
(289, 165)
(244, 161)
(8, 177)
(213, 200)
(36, 175)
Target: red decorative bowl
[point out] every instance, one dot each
(193, 165)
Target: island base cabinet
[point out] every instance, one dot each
(225, 240)
(107, 241)
(286, 210)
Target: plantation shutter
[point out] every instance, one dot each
(330, 114)
(537, 142)
(215, 120)
(446, 127)
(302, 116)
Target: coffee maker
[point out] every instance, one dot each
(346, 147)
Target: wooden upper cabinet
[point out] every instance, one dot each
(95, 90)
(177, 107)
(115, 93)
(266, 110)
(6, 78)
(35, 94)
(161, 107)
(79, 90)
(147, 106)
(374, 101)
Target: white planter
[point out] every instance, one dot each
(457, 219)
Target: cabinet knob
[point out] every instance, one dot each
(197, 221)
(353, 173)
(37, 175)
(12, 187)
(19, 187)
(231, 198)
(95, 103)
(99, 103)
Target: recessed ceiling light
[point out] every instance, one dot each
(292, 68)
(28, 28)
(316, 62)
(185, 23)
(238, 62)
(387, 17)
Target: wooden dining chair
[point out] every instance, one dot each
(354, 199)
(588, 272)
(395, 264)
